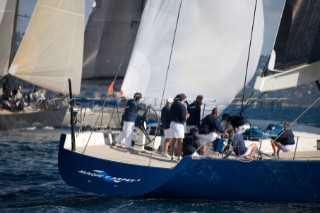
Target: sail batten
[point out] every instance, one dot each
(51, 50)
(210, 48)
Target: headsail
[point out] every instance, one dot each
(210, 49)
(295, 59)
(52, 48)
(112, 26)
(7, 16)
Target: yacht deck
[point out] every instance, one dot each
(155, 159)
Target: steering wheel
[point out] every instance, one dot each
(149, 114)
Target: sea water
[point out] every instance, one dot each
(30, 182)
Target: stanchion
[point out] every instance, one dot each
(295, 150)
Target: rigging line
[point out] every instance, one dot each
(174, 36)
(126, 51)
(91, 133)
(265, 69)
(248, 59)
(127, 47)
(166, 78)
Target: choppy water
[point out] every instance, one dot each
(30, 182)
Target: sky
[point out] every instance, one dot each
(272, 15)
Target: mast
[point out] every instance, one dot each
(73, 139)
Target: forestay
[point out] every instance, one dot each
(210, 48)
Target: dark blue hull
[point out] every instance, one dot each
(207, 178)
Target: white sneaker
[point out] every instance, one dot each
(179, 158)
(165, 155)
(118, 145)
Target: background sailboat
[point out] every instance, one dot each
(50, 53)
(7, 18)
(295, 59)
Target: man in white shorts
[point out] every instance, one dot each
(209, 129)
(238, 145)
(179, 115)
(166, 120)
(284, 141)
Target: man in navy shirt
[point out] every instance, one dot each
(239, 122)
(210, 129)
(179, 115)
(284, 141)
(129, 117)
(166, 120)
(194, 110)
(237, 142)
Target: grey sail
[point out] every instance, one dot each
(111, 27)
(298, 39)
(296, 51)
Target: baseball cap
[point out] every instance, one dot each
(169, 100)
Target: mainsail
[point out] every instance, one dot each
(296, 54)
(52, 48)
(7, 17)
(109, 38)
(210, 44)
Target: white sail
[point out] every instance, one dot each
(210, 50)
(51, 51)
(7, 16)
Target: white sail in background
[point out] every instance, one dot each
(51, 50)
(210, 50)
(7, 17)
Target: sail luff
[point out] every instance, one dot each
(51, 50)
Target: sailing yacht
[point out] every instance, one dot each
(172, 52)
(50, 53)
